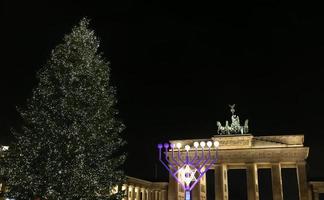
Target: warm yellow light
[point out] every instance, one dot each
(196, 144)
(209, 144)
(202, 144)
(216, 144)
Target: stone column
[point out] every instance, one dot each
(310, 192)
(146, 194)
(133, 193)
(156, 195)
(152, 195)
(138, 193)
(252, 181)
(199, 190)
(221, 186)
(277, 193)
(316, 196)
(195, 194)
(172, 188)
(126, 192)
(203, 188)
(164, 195)
(143, 190)
(149, 196)
(302, 180)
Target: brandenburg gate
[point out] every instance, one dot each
(251, 153)
(240, 150)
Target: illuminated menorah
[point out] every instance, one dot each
(188, 171)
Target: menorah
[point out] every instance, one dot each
(188, 170)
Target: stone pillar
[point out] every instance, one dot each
(173, 190)
(302, 181)
(195, 194)
(149, 196)
(310, 191)
(199, 190)
(143, 190)
(203, 188)
(133, 193)
(252, 181)
(146, 191)
(146, 194)
(164, 195)
(138, 193)
(276, 179)
(156, 195)
(126, 192)
(152, 195)
(221, 185)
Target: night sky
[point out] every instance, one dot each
(177, 66)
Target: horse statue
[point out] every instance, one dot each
(220, 128)
(234, 127)
(246, 126)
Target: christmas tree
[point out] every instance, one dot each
(69, 145)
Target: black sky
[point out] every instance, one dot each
(176, 66)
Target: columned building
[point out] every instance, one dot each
(238, 149)
(251, 153)
(138, 189)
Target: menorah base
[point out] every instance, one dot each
(187, 195)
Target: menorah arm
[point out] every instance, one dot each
(201, 159)
(171, 170)
(203, 173)
(165, 165)
(168, 161)
(208, 158)
(173, 174)
(179, 157)
(212, 162)
(195, 157)
(173, 159)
